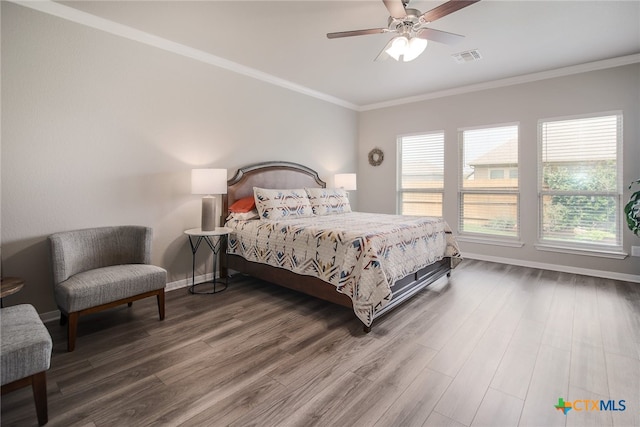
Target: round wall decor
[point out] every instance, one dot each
(376, 156)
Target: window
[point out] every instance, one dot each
(496, 174)
(489, 193)
(580, 181)
(421, 174)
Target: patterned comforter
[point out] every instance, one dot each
(361, 254)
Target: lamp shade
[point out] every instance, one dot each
(409, 48)
(346, 181)
(397, 47)
(208, 181)
(415, 47)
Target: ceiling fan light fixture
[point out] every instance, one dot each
(410, 25)
(409, 48)
(397, 47)
(414, 48)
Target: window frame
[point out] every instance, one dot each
(429, 190)
(590, 248)
(497, 239)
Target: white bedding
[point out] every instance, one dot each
(361, 254)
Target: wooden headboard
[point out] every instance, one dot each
(275, 175)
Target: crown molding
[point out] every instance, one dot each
(114, 28)
(525, 78)
(111, 27)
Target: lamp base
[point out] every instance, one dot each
(209, 213)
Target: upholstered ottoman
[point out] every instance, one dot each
(25, 354)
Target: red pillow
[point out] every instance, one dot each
(246, 204)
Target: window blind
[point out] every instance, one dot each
(421, 174)
(580, 191)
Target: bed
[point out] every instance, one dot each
(341, 257)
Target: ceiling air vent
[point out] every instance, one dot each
(467, 56)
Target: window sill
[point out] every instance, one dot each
(577, 251)
(489, 241)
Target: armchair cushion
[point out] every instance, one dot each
(102, 285)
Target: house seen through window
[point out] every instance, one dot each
(489, 191)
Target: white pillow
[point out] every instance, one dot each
(243, 216)
(327, 201)
(278, 204)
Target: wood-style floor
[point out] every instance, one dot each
(494, 345)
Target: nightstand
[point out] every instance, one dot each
(215, 240)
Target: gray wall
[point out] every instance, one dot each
(100, 130)
(596, 91)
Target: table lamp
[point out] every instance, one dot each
(209, 182)
(346, 181)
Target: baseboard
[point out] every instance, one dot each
(183, 283)
(555, 267)
(50, 316)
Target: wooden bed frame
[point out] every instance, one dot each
(287, 175)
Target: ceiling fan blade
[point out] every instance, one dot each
(440, 36)
(446, 8)
(356, 33)
(395, 8)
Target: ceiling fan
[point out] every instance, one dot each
(411, 27)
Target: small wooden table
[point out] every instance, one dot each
(9, 286)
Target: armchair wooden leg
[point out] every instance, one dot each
(72, 330)
(161, 304)
(129, 304)
(39, 386)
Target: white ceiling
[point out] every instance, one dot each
(287, 40)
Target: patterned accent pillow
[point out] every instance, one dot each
(327, 201)
(278, 204)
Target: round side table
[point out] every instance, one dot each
(9, 286)
(215, 240)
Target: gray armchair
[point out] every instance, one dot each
(99, 268)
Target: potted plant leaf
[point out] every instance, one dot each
(632, 210)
